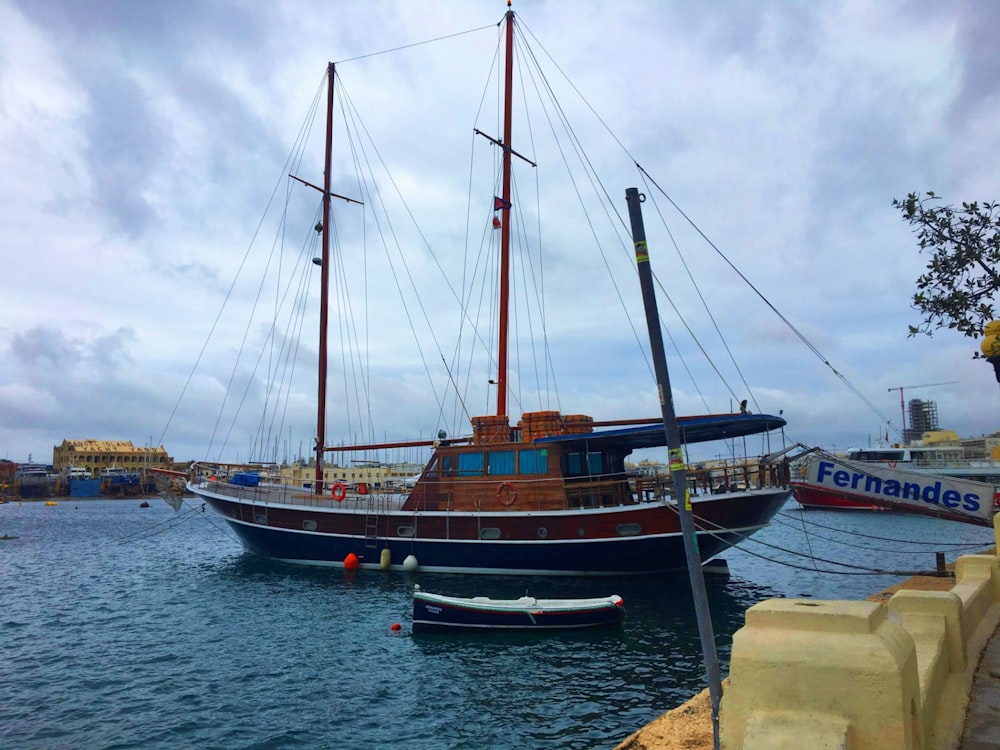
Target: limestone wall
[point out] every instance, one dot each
(857, 675)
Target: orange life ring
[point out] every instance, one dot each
(506, 494)
(338, 492)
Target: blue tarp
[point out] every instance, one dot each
(248, 479)
(85, 488)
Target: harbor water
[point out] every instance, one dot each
(128, 627)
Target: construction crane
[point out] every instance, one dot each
(902, 404)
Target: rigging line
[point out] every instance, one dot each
(812, 347)
(224, 530)
(600, 189)
(414, 44)
(246, 333)
(364, 357)
(264, 348)
(306, 126)
(455, 386)
(624, 224)
(283, 230)
(595, 184)
(469, 275)
(745, 537)
(527, 267)
(805, 533)
(375, 193)
(294, 339)
(704, 303)
(879, 538)
(628, 153)
(261, 441)
(426, 244)
(153, 530)
(955, 547)
(431, 253)
(457, 357)
(535, 75)
(548, 366)
(787, 564)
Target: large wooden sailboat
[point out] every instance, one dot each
(542, 492)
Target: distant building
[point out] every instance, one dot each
(96, 455)
(982, 448)
(923, 418)
(374, 473)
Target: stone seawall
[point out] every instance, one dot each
(895, 671)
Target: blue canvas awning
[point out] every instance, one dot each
(693, 430)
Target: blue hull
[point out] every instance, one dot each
(628, 555)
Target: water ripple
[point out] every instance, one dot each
(177, 639)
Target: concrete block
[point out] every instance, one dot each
(944, 604)
(843, 660)
(969, 568)
(780, 730)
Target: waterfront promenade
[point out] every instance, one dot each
(948, 671)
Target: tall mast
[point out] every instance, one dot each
(505, 219)
(324, 286)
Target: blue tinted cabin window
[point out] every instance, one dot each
(470, 464)
(533, 461)
(574, 464)
(594, 463)
(580, 464)
(501, 462)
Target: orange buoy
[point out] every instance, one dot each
(396, 626)
(351, 562)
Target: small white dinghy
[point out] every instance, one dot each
(436, 612)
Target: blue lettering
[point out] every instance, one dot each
(823, 470)
(971, 503)
(932, 493)
(951, 499)
(873, 485)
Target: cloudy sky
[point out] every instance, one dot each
(141, 142)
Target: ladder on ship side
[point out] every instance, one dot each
(371, 524)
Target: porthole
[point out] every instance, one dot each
(260, 518)
(542, 532)
(404, 531)
(629, 529)
(489, 533)
(309, 525)
(581, 533)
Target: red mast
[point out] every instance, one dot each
(324, 286)
(505, 220)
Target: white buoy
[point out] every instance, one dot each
(410, 564)
(385, 559)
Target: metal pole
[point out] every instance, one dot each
(677, 470)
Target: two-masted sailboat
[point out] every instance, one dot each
(538, 493)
